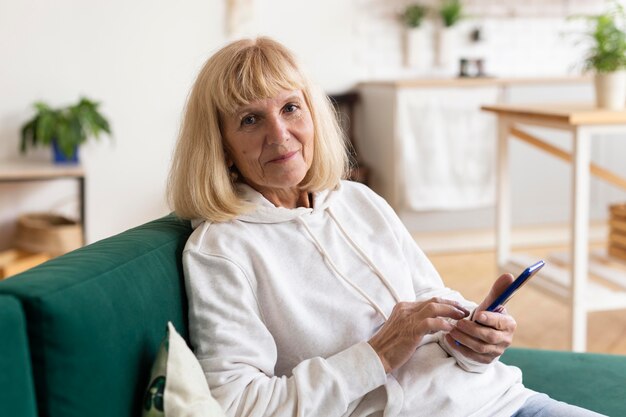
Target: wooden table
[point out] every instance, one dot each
(583, 122)
(21, 171)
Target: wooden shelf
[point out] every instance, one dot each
(31, 171)
(472, 82)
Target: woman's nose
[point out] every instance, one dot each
(277, 131)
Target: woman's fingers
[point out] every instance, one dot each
(495, 329)
(426, 317)
(432, 306)
(485, 339)
(487, 356)
(499, 321)
(408, 323)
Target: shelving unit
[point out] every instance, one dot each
(19, 171)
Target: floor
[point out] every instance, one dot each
(543, 322)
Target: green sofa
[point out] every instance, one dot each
(80, 332)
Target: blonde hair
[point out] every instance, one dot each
(199, 183)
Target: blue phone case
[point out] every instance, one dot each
(516, 285)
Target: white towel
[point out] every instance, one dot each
(447, 148)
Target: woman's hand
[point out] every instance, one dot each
(488, 334)
(409, 322)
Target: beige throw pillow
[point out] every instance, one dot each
(177, 385)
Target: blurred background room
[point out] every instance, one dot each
(410, 83)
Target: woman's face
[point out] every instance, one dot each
(270, 141)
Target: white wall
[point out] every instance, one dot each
(139, 59)
(344, 42)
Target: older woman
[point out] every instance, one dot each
(307, 295)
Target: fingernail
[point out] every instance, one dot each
(482, 317)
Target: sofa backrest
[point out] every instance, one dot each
(95, 318)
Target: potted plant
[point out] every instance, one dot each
(415, 40)
(414, 15)
(606, 56)
(65, 129)
(450, 12)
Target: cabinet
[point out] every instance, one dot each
(431, 151)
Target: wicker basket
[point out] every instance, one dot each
(48, 233)
(617, 234)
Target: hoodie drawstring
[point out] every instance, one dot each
(357, 249)
(365, 258)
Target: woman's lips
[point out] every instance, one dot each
(283, 158)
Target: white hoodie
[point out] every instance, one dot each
(283, 301)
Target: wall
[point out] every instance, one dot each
(139, 59)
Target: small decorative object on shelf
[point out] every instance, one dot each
(606, 56)
(617, 235)
(415, 38)
(472, 67)
(64, 128)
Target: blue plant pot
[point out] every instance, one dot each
(59, 156)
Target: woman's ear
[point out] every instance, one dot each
(228, 159)
(233, 172)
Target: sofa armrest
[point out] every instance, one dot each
(589, 380)
(17, 393)
(95, 318)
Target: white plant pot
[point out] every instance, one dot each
(414, 48)
(445, 46)
(611, 90)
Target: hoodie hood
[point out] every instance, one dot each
(263, 211)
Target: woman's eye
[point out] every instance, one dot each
(248, 120)
(290, 108)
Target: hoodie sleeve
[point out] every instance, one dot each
(426, 272)
(238, 354)
(427, 283)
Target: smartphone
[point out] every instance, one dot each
(523, 278)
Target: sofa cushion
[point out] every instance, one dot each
(17, 396)
(589, 380)
(96, 316)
